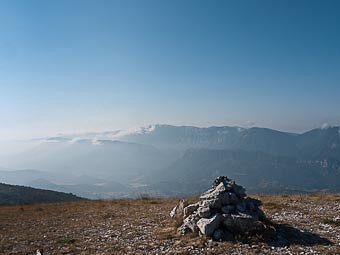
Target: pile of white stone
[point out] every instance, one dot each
(222, 212)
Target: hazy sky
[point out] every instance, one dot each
(73, 66)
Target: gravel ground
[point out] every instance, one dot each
(311, 223)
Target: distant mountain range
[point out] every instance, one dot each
(171, 160)
(320, 141)
(315, 143)
(14, 195)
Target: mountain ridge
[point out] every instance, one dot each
(145, 155)
(117, 134)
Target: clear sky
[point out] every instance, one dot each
(76, 65)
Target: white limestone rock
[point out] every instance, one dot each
(178, 210)
(207, 226)
(190, 209)
(204, 211)
(222, 213)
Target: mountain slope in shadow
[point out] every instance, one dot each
(14, 194)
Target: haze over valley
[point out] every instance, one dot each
(165, 160)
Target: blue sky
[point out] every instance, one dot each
(74, 66)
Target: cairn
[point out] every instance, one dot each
(222, 213)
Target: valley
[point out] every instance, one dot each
(153, 160)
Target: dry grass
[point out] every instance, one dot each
(143, 226)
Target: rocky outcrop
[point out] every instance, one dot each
(178, 210)
(222, 212)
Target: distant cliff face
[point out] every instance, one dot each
(13, 195)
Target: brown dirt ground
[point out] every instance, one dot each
(143, 226)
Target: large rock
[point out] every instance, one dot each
(190, 209)
(204, 211)
(214, 203)
(189, 224)
(207, 226)
(239, 190)
(228, 198)
(228, 209)
(241, 206)
(178, 210)
(222, 212)
(239, 223)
